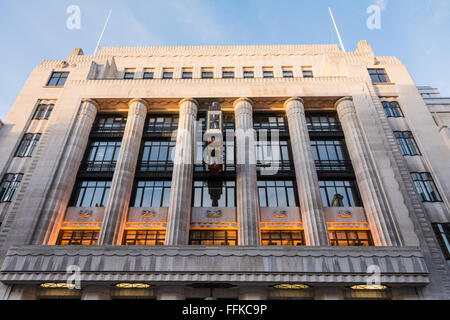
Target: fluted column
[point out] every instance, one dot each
(180, 204)
(316, 232)
(56, 202)
(246, 180)
(374, 202)
(122, 183)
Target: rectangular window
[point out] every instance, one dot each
(129, 73)
(339, 193)
(307, 72)
(213, 237)
(207, 73)
(187, 73)
(442, 231)
(287, 72)
(160, 124)
(77, 237)
(167, 73)
(144, 237)
(43, 112)
(322, 122)
(270, 122)
(273, 154)
(282, 238)
(151, 193)
(330, 155)
(102, 156)
(227, 73)
(392, 109)
(350, 238)
(88, 194)
(9, 186)
(214, 193)
(157, 156)
(249, 73)
(28, 144)
(58, 79)
(267, 72)
(378, 75)
(406, 143)
(110, 124)
(425, 187)
(279, 193)
(149, 73)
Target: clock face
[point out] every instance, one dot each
(214, 121)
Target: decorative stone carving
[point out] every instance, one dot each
(345, 214)
(148, 213)
(280, 213)
(85, 213)
(214, 213)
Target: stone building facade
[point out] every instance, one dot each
(333, 179)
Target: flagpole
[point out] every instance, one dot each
(337, 30)
(103, 31)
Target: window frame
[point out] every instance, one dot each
(80, 191)
(61, 79)
(202, 185)
(93, 239)
(43, 111)
(268, 237)
(9, 185)
(158, 239)
(423, 181)
(230, 236)
(392, 109)
(406, 143)
(335, 239)
(144, 187)
(27, 146)
(442, 232)
(280, 186)
(377, 77)
(350, 189)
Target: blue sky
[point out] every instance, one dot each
(416, 31)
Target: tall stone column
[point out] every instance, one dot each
(180, 205)
(122, 183)
(66, 174)
(246, 179)
(316, 232)
(374, 202)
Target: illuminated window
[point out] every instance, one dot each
(58, 79)
(378, 75)
(77, 237)
(43, 112)
(91, 193)
(110, 124)
(392, 109)
(9, 186)
(406, 143)
(350, 238)
(28, 144)
(425, 187)
(144, 237)
(279, 193)
(152, 194)
(282, 237)
(213, 237)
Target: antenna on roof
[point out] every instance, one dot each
(337, 30)
(103, 31)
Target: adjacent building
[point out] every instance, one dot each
(225, 172)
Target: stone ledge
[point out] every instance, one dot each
(34, 264)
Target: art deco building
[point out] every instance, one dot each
(242, 172)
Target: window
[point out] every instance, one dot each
(28, 144)
(425, 187)
(9, 186)
(287, 72)
(339, 193)
(157, 156)
(350, 238)
(267, 72)
(406, 143)
(442, 231)
(228, 73)
(282, 237)
(280, 193)
(330, 155)
(273, 154)
(322, 122)
(213, 237)
(378, 75)
(152, 194)
(248, 73)
(58, 79)
(270, 122)
(149, 73)
(167, 73)
(129, 73)
(89, 194)
(214, 193)
(392, 109)
(307, 72)
(159, 124)
(77, 237)
(102, 156)
(43, 112)
(144, 237)
(110, 124)
(187, 73)
(207, 73)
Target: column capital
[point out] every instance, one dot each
(91, 101)
(293, 99)
(294, 105)
(138, 107)
(138, 100)
(88, 108)
(191, 100)
(248, 100)
(188, 106)
(345, 106)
